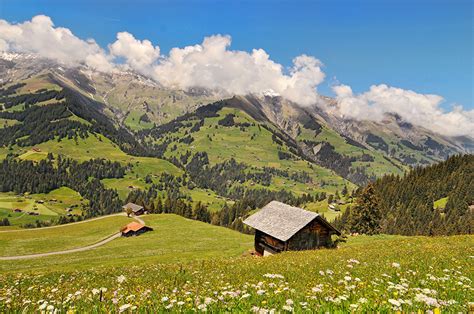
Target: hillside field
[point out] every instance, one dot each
(184, 265)
(174, 239)
(53, 205)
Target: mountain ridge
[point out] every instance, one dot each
(137, 103)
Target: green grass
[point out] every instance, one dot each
(19, 219)
(222, 143)
(19, 107)
(35, 83)
(322, 207)
(4, 123)
(174, 239)
(41, 240)
(133, 121)
(209, 198)
(10, 201)
(381, 274)
(98, 147)
(123, 185)
(101, 147)
(55, 203)
(378, 167)
(33, 155)
(441, 203)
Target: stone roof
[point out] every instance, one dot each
(283, 221)
(134, 207)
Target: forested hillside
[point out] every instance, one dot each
(434, 200)
(217, 163)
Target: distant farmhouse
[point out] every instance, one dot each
(134, 229)
(136, 209)
(281, 227)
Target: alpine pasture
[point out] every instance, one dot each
(185, 265)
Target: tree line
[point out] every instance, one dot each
(22, 176)
(405, 204)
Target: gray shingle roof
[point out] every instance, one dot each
(134, 207)
(280, 220)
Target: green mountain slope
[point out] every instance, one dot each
(232, 154)
(435, 200)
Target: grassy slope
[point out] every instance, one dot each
(222, 143)
(20, 242)
(322, 207)
(378, 167)
(360, 276)
(4, 123)
(65, 197)
(134, 123)
(441, 203)
(101, 147)
(174, 239)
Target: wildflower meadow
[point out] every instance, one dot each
(395, 274)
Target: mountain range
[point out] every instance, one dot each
(260, 130)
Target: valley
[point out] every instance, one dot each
(76, 145)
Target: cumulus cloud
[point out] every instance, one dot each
(213, 65)
(139, 55)
(418, 109)
(210, 64)
(40, 36)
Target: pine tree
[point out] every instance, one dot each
(344, 191)
(152, 207)
(330, 198)
(159, 205)
(365, 215)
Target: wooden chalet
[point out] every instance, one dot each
(281, 227)
(136, 209)
(134, 229)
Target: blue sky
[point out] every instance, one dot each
(426, 46)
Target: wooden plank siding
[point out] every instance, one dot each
(282, 227)
(314, 235)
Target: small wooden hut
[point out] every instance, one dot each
(134, 229)
(136, 209)
(281, 227)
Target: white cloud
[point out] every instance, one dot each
(139, 55)
(418, 109)
(213, 65)
(41, 37)
(210, 64)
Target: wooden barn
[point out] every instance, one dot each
(136, 209)
(281, 227)
(134, 229)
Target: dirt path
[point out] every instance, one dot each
(69, 224)
(80, 249)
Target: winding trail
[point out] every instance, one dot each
(75, 250)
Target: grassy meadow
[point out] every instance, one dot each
(55, 203)
(189, 266)
(254, 146)
(133, 121)
(174, 239)
(61, 237)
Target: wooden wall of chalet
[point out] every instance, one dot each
(314, 235)
(264, 241)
